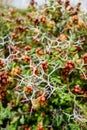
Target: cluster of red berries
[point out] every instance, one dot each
(85, 58)
(36, 21)
(16, 71)
(75, 19)
(19, 20)
(28, 89)
(78, 90)
(34, 70)
(4, 78)
(27, 48)
(39, 20)
(2, 93)
(26, 59)
(41, 98)
(29, 16)
(21, 28)
(44, 66)
(43, 20)
(39, 52)
(69, 65)
(1, 63)
(67, 3)
(14, 36)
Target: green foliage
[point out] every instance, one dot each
(43, 68)
(5, 114)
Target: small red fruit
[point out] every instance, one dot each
(36, 21)
(77, 89)
(75, 19)
(84, 57)
(28, 89)
(43, 19)
(16, 71)
(28, 48)
(26, 59)
(14, 36)
(1, 63)
(70, 65)
(39, 51)
(41, 98)
(45, 65)
(63, 37)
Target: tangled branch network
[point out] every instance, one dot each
(49, 62)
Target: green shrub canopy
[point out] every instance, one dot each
(43, 68)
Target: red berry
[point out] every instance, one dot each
(28, 89)
(84, 56)
(77, 89)
(45, 65)
(70, 65)
(28, 48)
(39, 51)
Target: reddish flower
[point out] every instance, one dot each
(69, 26)
(14, 36)
(67, 3)
(28, 48)
(27, 59)
(79, 4)
(43, 19)
(70, 65)
(41, 98)
(77, 89)
(16, 71)
(65, 71)
(63, 37)
(4, 78)
(1, 63)
(12, 11)
(45, 65)
(84, 57)
(34, 70)
(60, 2)
(75, 19)
(29, 16)
(2, 93)
(19, 28)
(71, 9)
(39, 51)
(32, 2)
(19, 20)
(28, 89)
(77, 48)
(36, 21)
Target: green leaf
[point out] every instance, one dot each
(15, 119)
(22, 120)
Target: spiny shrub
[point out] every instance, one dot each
(43, 68)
